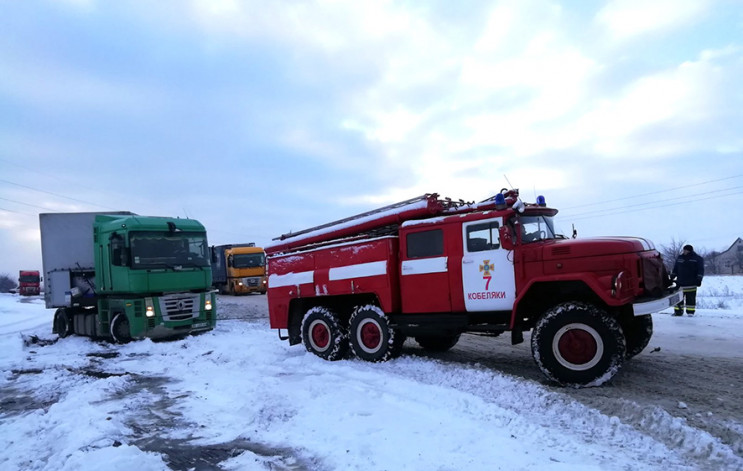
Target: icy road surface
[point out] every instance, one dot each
(239, 398)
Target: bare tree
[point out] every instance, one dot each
(6, 283)
(671, 251)
(711, 262)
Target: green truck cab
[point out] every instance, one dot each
(123, 276)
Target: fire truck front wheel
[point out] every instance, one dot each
(577, 344)
(323, 334)
(638, 330)
(371, 337)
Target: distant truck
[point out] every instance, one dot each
(434, 268)
(29, 283)
(122, 276)
(238, 268)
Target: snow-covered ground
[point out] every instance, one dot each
(239, 398)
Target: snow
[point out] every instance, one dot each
(245, 400)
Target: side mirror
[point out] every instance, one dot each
(506, 239)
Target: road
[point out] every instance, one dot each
(674, 381)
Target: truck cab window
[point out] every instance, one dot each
(248, 260)
(536, 228)
(425, 244)
(119, 255)
(163, 250)
(481, 237)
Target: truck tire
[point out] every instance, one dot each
(638, 331)
(371, 337)
(437, 343)
(577, 344)
(62, 324)
(119, 328)
(323, 334)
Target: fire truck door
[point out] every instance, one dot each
(488, 277)
(424, 279)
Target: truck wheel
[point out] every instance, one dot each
(577, 344)
(371, 337)
(638, 331)
(120, 328)
(437, 343)
(62, 324)
(323, 335)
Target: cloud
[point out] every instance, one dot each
(629, 19)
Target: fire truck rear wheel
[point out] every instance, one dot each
(577, 344)
(119, 328)
(62, 324)
(371, 337)
(437, 343)
(323, 334)
(637, 330)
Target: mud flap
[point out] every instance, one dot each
(517, 336)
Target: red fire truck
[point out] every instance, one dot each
(433, 268)
(29, 283)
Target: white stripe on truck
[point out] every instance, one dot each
(422, 266)
(359, 270)
(291, 279)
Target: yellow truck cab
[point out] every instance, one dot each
(238, 269)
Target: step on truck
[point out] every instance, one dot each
(433, 269)
(238, 269)
(29, 283)
(122, 276)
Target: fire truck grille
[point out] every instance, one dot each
(654, 276)
(179, 307)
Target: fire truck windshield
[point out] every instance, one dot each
(535, 228)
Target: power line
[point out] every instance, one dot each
(55, 194)
(27, 204)
(17, 212)
(657, 192)
(630, 208)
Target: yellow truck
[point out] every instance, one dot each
(238, 269)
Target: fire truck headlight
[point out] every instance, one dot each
(208, 305)
(618, 283)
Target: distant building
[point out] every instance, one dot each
(729, 262)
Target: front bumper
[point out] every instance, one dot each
(655, 305)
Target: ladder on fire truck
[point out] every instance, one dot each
(376, 221)
(380, 221)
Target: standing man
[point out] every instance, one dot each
(688, 271)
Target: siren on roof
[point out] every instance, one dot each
(519, 206)
(500, 201)
(541, 201)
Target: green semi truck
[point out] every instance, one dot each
(122, 276)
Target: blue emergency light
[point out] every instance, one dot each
(500, 201)
(541, 201)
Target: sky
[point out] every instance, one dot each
(261, 118)
(241, 397)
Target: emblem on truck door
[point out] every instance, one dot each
(485, 268)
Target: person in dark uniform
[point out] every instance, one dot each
(688, 272)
